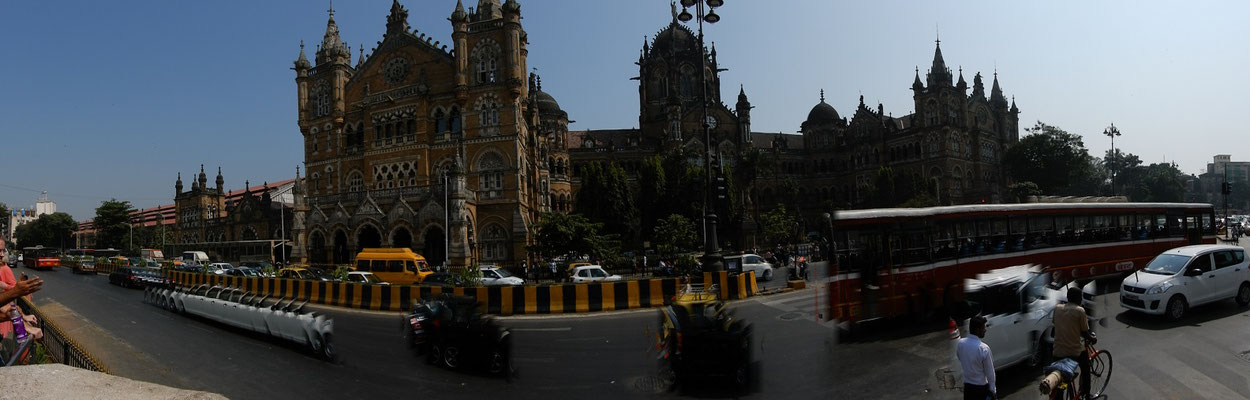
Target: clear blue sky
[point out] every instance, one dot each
(112, 99)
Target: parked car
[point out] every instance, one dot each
(437, 278)
(1188, 276)
(244, 272)
(492, 276)
(591, 273)
(131, 277)
(750, 262)
(295, 273)
(220, 268)
(451, 333)
(365, 277)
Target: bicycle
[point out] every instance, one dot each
(1099, 377)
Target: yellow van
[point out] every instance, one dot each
(397, 266)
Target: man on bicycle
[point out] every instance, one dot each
(1071, 324)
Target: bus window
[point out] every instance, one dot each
(395, 266)
(1018, 228)
(1041, 232)
(1145, 227)
(378, 266)
(1124, 226)
(410, 266)
(362, 265)
(944, 244)
(966, 231)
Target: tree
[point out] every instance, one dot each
(884, 188)
(4, 217)
(112, 218)
(49, 230)
(1050, 157)
(605, 198)
(1162, 183)
(674, 233)
(651, 186)
(1020, 191)
(571, 234)
(778, 226)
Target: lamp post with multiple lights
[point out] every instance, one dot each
(711, 257)
(1112, 132)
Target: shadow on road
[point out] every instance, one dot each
(1194, 317)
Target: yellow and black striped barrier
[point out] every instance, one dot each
(503, 300)
(732, 286)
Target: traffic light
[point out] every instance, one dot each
(722, 188)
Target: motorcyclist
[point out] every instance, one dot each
(1071, 324)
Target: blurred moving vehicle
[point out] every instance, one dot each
(84, 266)
(450, 332)
(699, 338)
(136, 277)
(220, 268)
(247, 272)
(591, 273)
(1188, 276)
(1016, 302)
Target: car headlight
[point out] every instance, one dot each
(1160, 288)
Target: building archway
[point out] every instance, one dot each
(435, 247)
(401, 238)
(317, 248)
(368, 238)
(340, 248)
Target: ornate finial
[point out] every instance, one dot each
(822, 95)
(937, 34)
(301, 45)
(247, 184)
(297, 171)
(673, 6)
(331, 10)
(201, 168)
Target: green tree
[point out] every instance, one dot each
(49, 230)
(1020, 191)
(4, 217)
(884, 188)
(605, 198)
(560, 234)
(1051, 158)
(651, 186)
(1161, 183)
(111, 220)
(778, 226)
(675, 233)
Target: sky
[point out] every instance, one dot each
(103, 100)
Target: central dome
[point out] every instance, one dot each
(823, 112)
(547, 104)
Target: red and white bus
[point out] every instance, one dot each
(899, 262)
(40, 257)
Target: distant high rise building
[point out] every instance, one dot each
(19, 216)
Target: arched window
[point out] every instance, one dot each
(687, 81)
(321, 99)
(494, 243)
(485, 59)
(488, 116)
(355, 182)
(486, 69)
(440, 122)
(490, 175)
(453, 122)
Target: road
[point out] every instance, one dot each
(610, 355)
(602, 356)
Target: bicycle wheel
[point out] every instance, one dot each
(1099, 372)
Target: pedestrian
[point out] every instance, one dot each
(1071, 325)
(977, 363)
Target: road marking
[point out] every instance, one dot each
(559, 329)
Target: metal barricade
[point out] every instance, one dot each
(58, 346)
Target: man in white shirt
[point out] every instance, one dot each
(977, 363)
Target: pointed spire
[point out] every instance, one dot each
(962, 84)
(302, 61)
(332, 47)
(361, 61)
(459, 15)
(742, 94)
(397, 20)
(1013, 105)
(822, 95)
(917, 85)
(220, 181)
(996, 94)
(939, 74)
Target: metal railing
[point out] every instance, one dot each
(59, 346)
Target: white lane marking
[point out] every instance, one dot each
(559, 329)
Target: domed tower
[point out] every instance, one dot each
(552, 128)
(672, 71)
(822, 126)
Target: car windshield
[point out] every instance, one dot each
(370, 278)
(1167, 264)
(503, 273)
(598, 273)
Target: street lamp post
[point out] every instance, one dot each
(1112, 132)
(711, 257)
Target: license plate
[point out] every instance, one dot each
(1130, 297)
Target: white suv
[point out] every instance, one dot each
(1188, 276)
(591, 273)
(750, 262)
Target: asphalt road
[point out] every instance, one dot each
(602, 356)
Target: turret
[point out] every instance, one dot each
(743, 108)
(939, 74)
(916, 85)
(996, 95)
(460, 32)
(332, 50)
(203, 178)
(397, 21)
(178, 186)
(220, 182)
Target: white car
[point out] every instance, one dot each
(1188, 276)
(750, 262)
(591, 273)
(365, 277)
(220, 268)
(1016, 303)
(494, 276)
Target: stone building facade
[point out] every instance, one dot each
(451, 150)
(204, 214)
(952, 144)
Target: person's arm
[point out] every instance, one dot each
(990, 377)
(21, 289)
